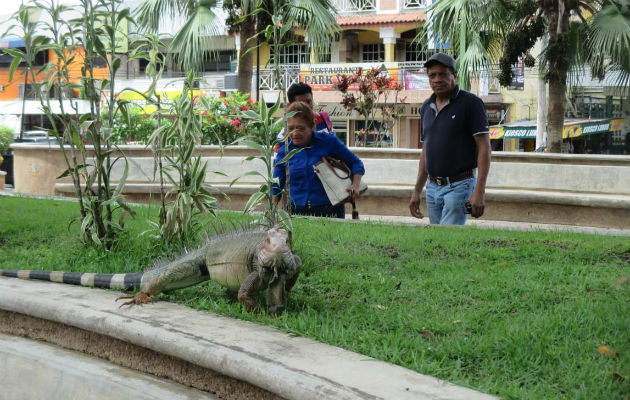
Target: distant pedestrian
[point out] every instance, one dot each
(456, 145)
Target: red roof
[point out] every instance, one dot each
(370, 21)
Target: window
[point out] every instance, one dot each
(413, 52)
(220, 61)
(41, 58)
(378, 135)
(323, 56)
(33, 92)
(294, 54)
(100, 62)
(373, 52)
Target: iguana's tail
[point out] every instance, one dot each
(111, 281)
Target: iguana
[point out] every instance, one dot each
(247, 260)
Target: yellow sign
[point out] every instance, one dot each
(497, 132)
(166, 98)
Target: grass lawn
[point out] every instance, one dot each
(522, 315)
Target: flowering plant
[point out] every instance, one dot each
(221, 120)
(366, 92)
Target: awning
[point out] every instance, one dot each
(34, 107)
(572, 128)
(11, 42)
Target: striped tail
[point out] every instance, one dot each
(110, 281)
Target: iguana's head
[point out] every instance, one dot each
(275, 250)
(280, 263)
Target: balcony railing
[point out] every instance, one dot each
(267, 80)
(413, 4)
(352, 6)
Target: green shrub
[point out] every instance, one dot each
(7, 135)
(137, 129)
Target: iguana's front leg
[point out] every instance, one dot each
(138, 298)
(293, 278)
(249, 287)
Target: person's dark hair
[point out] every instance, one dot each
(303, 111)
(298, 89)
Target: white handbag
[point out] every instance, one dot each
(336, 177)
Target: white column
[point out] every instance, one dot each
(388, 36)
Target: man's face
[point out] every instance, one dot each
(306, 98)
(442, 80)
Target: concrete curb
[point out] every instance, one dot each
(291, 367)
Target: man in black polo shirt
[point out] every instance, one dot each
(456, 144)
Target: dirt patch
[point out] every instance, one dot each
(623, 256)
(389, 251)
(131, 356)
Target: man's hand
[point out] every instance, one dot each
(478, 203)
(414, 207)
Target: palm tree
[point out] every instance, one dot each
(191, 42)
(485, 31)
(315, 17)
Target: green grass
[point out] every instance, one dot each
(517, 314)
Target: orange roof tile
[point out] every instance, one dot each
(370, 21)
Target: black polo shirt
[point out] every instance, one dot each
(449, 145)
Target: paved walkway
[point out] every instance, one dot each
(55, 373)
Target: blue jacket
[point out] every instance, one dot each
(305, 185)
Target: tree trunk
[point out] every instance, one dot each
(558, 18)
(555, 116)
(246, 60)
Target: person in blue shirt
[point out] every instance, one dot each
(307, 193)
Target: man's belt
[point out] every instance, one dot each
(445, 180)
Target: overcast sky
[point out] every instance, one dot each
(10, 6)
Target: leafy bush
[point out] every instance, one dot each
(7, 135)
(137, 129)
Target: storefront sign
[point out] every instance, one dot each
(324, 76)
(337, 111)
(518, 81)
(416, 80)
(570, 130)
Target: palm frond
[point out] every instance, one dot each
(315, 17)
(610, 36)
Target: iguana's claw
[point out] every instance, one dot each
(138, 298)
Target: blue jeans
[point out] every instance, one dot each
(445, 204)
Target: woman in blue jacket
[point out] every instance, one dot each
(308, 196)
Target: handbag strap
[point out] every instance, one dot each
(334, 164)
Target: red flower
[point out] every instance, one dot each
(204, 113)
(251, 102)
(244, 108)
(235, 122)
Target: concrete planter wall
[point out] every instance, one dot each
(568, 189)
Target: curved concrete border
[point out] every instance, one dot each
(291, 367)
